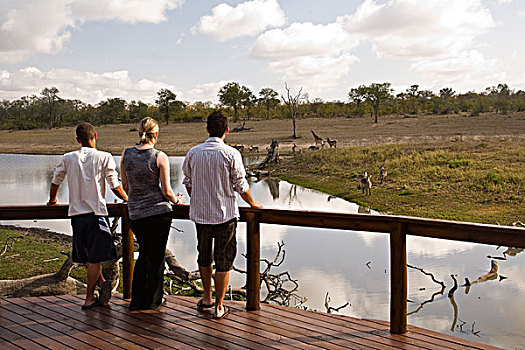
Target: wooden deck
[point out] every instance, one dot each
(57, 322)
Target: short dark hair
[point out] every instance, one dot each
(217, 124)
(85, 132)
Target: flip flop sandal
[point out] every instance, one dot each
(90, 306)
(226, 313)
(201, 305)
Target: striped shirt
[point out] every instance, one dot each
(214, 171)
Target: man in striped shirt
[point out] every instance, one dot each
(213, 172)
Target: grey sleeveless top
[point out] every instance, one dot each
(145, 195)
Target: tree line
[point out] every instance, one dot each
(49, 110)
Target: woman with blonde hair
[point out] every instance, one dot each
(145, 174)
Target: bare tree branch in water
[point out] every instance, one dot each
(428, 274)
(330, 309)
(281, 288)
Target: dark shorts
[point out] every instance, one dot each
(224, 247)
(91, 242)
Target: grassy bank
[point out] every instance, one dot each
(467, 181)
(34, 252)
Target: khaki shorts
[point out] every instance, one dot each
(224, 248)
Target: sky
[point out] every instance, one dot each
(97, 49)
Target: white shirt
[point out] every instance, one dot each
(86, 171)
(214, 171)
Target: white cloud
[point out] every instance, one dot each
(303, 39)
(246, 19)
(88, 87)
(420, 29)
(315, 74)
(129, 11)
(43, 27)
(204, 92)
(521, 14)
(315, 56)
(466, 71)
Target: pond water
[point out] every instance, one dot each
(351, 266)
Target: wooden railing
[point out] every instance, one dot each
(397, 226)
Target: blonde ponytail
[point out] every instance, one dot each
(147, 129)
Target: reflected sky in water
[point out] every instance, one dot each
(351, 266)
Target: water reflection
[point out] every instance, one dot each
(351, 266)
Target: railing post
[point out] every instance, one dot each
(128, 261)
(253, 278)
(398, 278)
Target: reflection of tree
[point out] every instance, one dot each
(491, 275)
(453, 302)
(433, 295)
(427, 301)
(273, 186)
(512, 251)
(292, 195)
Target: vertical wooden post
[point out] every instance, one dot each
(128, 261)
(253, 278)
(398, 279)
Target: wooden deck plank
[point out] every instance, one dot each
(112, 325)
(306, 335)
(6, 345)
(14, 339)
(29, 329)
(16, 306)
(57, 322)
(383, 333)
(194, 322)
(453, 342)
(66, 325)
(137, 326)
(246, 324)
(363, 336)
(101, 328)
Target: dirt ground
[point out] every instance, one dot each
(177, 138)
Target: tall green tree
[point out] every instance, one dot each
(376, 94)
(357, 97)
(248, 100)
(50, 99)
(168, 104)
(234, 95)
(112, 111)
(268, 98)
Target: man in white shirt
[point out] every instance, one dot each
(213, 172)
(87, 170)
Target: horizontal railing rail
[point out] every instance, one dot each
(397, 226)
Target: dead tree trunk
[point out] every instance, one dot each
(58, 283)
(272, 157)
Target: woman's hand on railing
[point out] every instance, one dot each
(180, 198)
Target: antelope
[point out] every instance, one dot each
(318, 140)
(364, 183)
(382, 173)
(332, 143)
